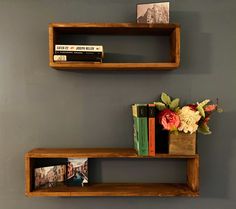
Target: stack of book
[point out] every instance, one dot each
(144, 129)
(82, 53)
(149, 138)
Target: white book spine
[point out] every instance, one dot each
(85, 48)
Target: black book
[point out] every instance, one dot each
(76, 57)
(161, 137)
(84, 53)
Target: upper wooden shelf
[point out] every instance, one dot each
(94, 153)
(114, 29)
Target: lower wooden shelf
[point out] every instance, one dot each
(119, 189)
(188, 189)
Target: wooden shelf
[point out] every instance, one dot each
(119, 189)
(94, 153)
(114, 29)
(190, 189)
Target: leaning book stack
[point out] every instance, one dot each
(79, 53)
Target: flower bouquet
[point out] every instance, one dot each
(183, 122)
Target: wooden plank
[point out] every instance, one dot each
(175, 46)
(175, 156)
(94, 153)
(114, 28)
(182, 143)
(112, 66)
(81, 152)
(51, 44)
(27, 175)
(119, 189)
(193, 173)
(113, 25)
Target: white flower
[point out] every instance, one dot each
(188, 119)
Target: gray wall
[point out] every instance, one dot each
(42, 107)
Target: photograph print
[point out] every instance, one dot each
(153, 13)
(50, 176)
(77, 171)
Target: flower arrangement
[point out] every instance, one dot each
(188, 119)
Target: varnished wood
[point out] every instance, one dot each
(115, 189)
(94, 153)
(119, 189)
(171, 30)
(175, 46)
(182, 143)
(112, 66)
(51, 44)
(193, 174)
(28, 172)
(115, 28)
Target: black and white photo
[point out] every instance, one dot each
(153, 13)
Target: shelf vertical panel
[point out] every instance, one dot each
(193, 173)
(28, 174)
(51, 44)
(175, 46)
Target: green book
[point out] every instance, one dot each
(139, 112)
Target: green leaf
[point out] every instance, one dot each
(174, 104)
(201, 111)
(204, 129)
(205, 102)
(160, 106)
(165, 98)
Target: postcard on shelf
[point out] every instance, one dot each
(153, 13)
(50, 176)
(77, 171)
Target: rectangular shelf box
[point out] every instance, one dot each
(189, 189)
(170, 30)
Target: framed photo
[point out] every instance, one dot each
(153, 13)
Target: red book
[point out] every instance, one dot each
(151, 129)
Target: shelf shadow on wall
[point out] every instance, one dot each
(125, 48)
(137, 170)
(216, 154)
(196, 46)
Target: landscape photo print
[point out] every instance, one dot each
(153, 13)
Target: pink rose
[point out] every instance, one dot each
(169, 119)
(210, 108)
